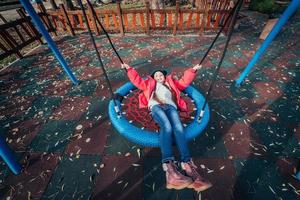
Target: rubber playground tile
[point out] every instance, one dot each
(57, 88)
(32, 182)
(244, 91)
(71, 108)
(11, 87)
(33, 88)
(278, 138)
(89, 138)
(209, 143)
(4, 171)
(241, 141)
(90, 73)
(97, 109)
(267, 91)
(22, 133)
(42, 107)
(85, 88)
(117, 144)
(54, 136)
(17, 106)
(120, 177)
(260, 179)
(286, 110)
(225, 110)
(74, 178)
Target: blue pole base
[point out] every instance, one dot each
(8, 157)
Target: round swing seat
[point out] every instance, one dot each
(147, 138)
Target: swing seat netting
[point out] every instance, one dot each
(137, 124)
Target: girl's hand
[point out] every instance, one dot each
(125, 66)
(197, 67)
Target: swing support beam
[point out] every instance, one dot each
(36, 20)
(276, 29)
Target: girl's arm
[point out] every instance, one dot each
(135, 78)
(187, 78)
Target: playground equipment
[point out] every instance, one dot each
(282, 20)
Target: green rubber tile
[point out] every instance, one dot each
(278, 138)
(155, 183)
(30, 73)
(209, 143)
(180, 62)
(4, 170)
(260, 179)
(32, 181)
(33, 88)
(287, 109)
(85, 88)
(42, 107)
(120, 177)
(119, 145)
(225, 110)
(54, 136)
(73, 178)
(160, 53)
(245, 91)
(97, 108)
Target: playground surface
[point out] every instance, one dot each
(63, 137)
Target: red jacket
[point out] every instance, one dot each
(147, 86)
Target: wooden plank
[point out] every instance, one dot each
(81, 25)
(169, 16)
(114, 17)
(267, 29)
(188, 24)
(181, 20)
(29, 25)
(147, 18)
(142, 20)
(161, 19)
(133, 21)
(93, 19)
(125, 21)
(176, 18)
(14, 27)
(197, 20)
(152, 19)
(119, 13)
(11, 42)
(69, 25)
(106, 21)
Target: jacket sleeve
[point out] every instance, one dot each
(136, 79)
(186, 79)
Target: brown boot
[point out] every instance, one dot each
(199, 183)
(174, 179)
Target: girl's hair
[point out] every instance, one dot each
(164, 72)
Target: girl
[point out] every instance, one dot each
(161, 94)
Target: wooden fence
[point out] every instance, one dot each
(17, 34)
(145, 20)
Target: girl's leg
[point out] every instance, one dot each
(165, 136)
(179, 133)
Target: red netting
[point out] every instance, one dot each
(142, 118)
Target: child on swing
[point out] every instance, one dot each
(161, 94)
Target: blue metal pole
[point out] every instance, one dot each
(298, 175)
(8, 157)
(283, 19)
(36, 20)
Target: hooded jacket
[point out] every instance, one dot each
(147, 86)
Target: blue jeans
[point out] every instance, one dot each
(169, 122)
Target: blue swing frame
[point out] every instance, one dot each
(149, 138)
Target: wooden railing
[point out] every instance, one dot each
(17, 34)
(145, 20)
